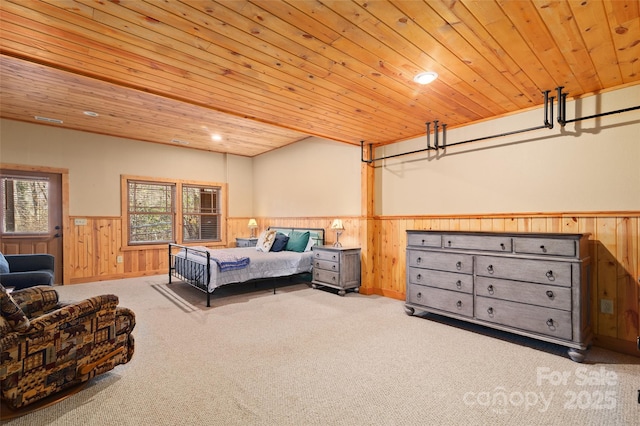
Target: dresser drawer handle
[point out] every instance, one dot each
(317, 254)
(459, 304)
(549, 275)
(317, 264)
(333, 257)
(333, 267)
(551, 323)
(419, 277)
(333, 278)
(419, 295)
(423, 242)
(449, 243)
(490, 269)
(459, 284)
(490, 289)
(502, 246)
(419, 260)
(458, 265)
(550, 294)
(543, 248)
(490, 312)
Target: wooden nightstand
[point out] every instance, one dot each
(246, 242)
(337, 267)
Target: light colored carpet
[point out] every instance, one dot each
(310, 357)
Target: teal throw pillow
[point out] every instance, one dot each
(4, 265)
(297, 241)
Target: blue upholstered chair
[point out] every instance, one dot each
(26, 270)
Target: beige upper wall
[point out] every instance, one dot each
(591, 165)
(95, 163)
(314, 177)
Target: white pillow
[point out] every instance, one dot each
(266, 239)
(310, 243)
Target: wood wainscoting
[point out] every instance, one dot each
(93, 251)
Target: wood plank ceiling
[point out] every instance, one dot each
(263, 74)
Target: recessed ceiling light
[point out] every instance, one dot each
(90, 113)
(216, 137)
(425, 77)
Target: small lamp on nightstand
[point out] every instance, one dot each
(252, 226)
(337, 225)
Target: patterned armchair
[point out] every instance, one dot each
(47, 346)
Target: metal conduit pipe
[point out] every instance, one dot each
(562, 110)
(548, 124)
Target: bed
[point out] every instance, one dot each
(208, 269)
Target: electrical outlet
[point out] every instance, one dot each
(80, 222)
(606, 306)
(119, 259)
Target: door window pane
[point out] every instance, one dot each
(25, 205)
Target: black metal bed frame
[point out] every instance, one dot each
(198, 275)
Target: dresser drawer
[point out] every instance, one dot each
(477, 242)
(544, 246)
(326, 264)
(441, 279)
(326, 255)
(551, 322)
(517, 291)
(544, 272)
(324, 276)
(445, 300)
(424, 240)
(453, 262)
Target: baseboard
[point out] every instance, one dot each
(617, 345)
(84, 280)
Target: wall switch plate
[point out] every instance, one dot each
(119, 259)
(606, 306)
(79, 222)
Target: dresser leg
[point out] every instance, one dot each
(342, 292)
(577, 355)
(409, 311)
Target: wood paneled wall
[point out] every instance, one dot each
(615, 259)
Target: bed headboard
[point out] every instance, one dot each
(316, 234)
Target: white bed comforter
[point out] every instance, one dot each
(261, 265)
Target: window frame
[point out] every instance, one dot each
(177, 214)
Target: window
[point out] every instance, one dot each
(25, 205)
(150, 212)
(160, 211)
(201, 213)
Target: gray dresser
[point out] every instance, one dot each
(536, 285)
(336, 267)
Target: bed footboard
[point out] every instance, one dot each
(193, 273)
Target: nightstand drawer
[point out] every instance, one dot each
(332, 256)
(246, 242)
(327, 277)
(326, 264)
